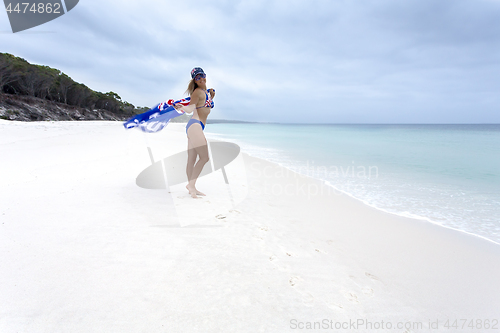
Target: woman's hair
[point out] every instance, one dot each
(191, 87)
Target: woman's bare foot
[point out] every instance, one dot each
(192, 191)
(196, 191)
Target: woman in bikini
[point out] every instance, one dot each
(201, 104)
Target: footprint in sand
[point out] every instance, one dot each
(320, 251)
(335, 306)
(293, 280)
(272, 258)
(371, 276)
(367, 291)
(352, 297)
(264, 228)
(220, 216)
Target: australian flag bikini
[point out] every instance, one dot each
(209, 103)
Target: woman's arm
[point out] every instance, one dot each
(195, 97)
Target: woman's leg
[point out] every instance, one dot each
(191, 159)
(197, 147)
(192, 155)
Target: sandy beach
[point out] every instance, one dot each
(85, 249)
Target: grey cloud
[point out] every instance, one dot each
(360, 61)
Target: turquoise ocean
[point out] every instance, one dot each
(445, 174)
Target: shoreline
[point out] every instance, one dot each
(335, 189)
(454, 224)
(409, 216)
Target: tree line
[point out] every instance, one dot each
(19, 77)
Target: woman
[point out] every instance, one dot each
(201, 104)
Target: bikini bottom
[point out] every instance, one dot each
(194, 121)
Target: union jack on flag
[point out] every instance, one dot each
(158, 117)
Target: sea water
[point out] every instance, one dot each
(446, 174)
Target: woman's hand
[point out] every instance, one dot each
(178, 106)
(212, 92)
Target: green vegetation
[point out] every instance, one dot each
(7, 114)
(19, 77)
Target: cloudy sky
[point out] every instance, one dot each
(319, 61)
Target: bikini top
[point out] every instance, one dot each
(209, 103)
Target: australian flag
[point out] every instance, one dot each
(158, 117)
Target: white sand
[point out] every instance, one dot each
(84, 249)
